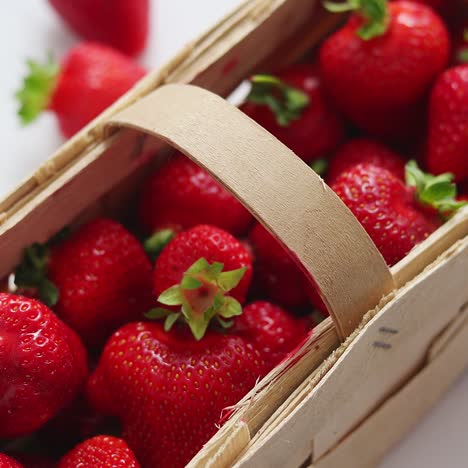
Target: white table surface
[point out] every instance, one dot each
(28, 28)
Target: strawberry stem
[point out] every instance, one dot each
(375, 13)
(37, 90)
(155, 244)
(438, 191)
(286, 102)
(201, 297)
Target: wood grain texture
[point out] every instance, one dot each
(289, 199)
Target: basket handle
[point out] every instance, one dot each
(281, 191)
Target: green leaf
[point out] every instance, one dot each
(157, 313)
(31, 272)
(170, 320)
(319, 166)
(37, 90)
(342, 7)
(172, 296)
(156, 243)
(462, 55)
(200, 265)
(48, 293)
(438, 191)
(286, 102)
(214, 270)
(225, 323)
(230, 279)
(231, 308)
(189, 282)
(198, 328)
(60, 236)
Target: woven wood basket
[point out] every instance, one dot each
(396, 338)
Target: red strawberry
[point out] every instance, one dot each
(381, 64)
(274, 331)
(100, 451)
(91, 77)
(122, 24)
(364, 151)
(277, 274)
(181, 195)
(8, 462)
(31, 460)
(447, 147)
(189, 274)
(395, 216)
(292, 107)
(42, 363)
(101, 274)
(171, 389)
(98, 394)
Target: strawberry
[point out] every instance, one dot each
(273, 330)
(180, 195)
(362, 150)
(42, 363)
(381, 64)
(278, 275)
(8, 462)
(100, 451)
(92, 76)
(122, 24)
(31, 460)
(293, 107)
(189, 274)
(171, 389)
(98, 279)
(395, 216)
(447, 147)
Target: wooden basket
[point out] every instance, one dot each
(396, 337)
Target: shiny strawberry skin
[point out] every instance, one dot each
(8, 462)
(91, 78)
(122, 24)
(42, 364)
(277, 275)
(181, 195)
(364, 151)
(319, 129)
(273, 330)
(202, 241)
(447, 148)
(171, 390)
(380, 83)
(100, 451)
(104, 279)
(386, 208)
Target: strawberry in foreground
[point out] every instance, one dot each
(204, 273)
(277, 274)
(293, 108)
(42, 362)
(367, 151)
(180, 195)
(100, 451)
(272, 329)
(122, 24)
(380, 66)
(171, 389)
(447, 146)
(397, 217)
(8, 462)
(97, 279)
(91, 77)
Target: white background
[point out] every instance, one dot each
(28, 28)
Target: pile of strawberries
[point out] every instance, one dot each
(125, 346)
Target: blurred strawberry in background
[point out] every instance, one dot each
(122, 24)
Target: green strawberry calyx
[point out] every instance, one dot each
(375, 13)
(439, 191)
(201, 297)
(286, 102)
(462, 55)
(31, 273)
(155, 244)
(37, 90)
